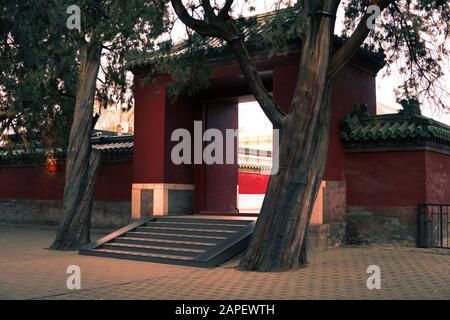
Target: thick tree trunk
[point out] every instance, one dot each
(278, 242)
(82, 163)
(280, 231)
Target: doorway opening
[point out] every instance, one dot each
(255, 147)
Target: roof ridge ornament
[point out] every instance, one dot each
(361, 110)
(410, 107)
(359, 113)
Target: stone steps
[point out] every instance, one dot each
(192, 241)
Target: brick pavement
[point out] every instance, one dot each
(27, 271)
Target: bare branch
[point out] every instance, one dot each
(103, 82)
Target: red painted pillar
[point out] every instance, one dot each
(159, 187)
(149, 135)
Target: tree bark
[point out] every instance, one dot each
(82, 163)
(278, 240)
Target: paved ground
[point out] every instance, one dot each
(27, 271)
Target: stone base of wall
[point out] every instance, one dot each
(389, 225)
(105, 215)
(327, 226)
(321, 237)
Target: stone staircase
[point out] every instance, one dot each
(199, 241)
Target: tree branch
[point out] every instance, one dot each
(226, 8)
(352, 45)
(272, 110)
(201, 27)
(209, 11)
(224, 27)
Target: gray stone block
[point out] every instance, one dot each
(147, 202)
(181, 202)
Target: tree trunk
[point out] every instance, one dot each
(280, 231)
(82, 163)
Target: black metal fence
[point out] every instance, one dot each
(434, 225)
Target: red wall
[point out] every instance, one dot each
(156, 118)
(180, 114)
(284, 81)
(252, 183)
(114, 182)
(150, 137)
(438, 177)
(41, 183)
(345, 94)
(385, 178)
(351, 86)
(32, 183)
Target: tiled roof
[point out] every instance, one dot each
(254, 159)
(111, 147)
(254, 162)
(216, 50)
(34, 154)
(407, 125)
(120, 145)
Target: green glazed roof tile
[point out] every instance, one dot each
(406, 125)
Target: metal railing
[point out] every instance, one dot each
(434, 226)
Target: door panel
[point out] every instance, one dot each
(221, 179)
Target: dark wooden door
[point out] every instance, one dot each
(221, 180)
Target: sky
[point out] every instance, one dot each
(252, 119)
